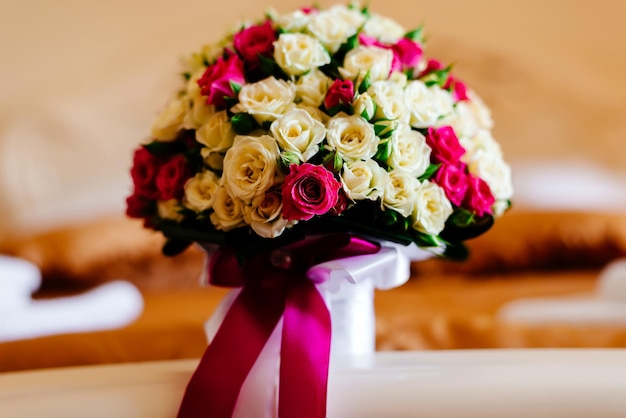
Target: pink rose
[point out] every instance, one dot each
(340, 93)
(479, 197)
(454, 181)
(445, 146)
(370, 41)
(431, 66)
(172, 178)
(406, 54)
(254, 41)
(216, 81)
(144, 172)
(457, 87)
(308, 190)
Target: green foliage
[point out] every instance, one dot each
(430, 171)
(243, 123)
(416, 35)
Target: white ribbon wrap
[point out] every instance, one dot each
(349, 295)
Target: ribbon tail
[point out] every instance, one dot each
(305, 353)
(215, 385)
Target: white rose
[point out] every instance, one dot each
(352, 137)
(389, 99)
(426, 105)
(311, 88)
(384, 29)
(299, 133)
(492, 168)
(297, 53)
(483, 141)
(250, 166)
(292, 22)
(264, 214)
(363, 180)
(360, 60)
(499, 207)
(399, 192)
(409, 151)
(481, 112)
(227, 211)
(315, 113)
(462, 120)
(217, 133)
(399, 78)
(266, 100)
(364, 105)
(200, 191)
(169, 121)
(169, 209)
(214, 160)
(431, 210)
(334, 26)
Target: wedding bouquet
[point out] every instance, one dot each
(305, 144)
(315, 121)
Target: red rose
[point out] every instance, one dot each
(445, 146)
(406, 54)
(479, 197)
(342, 203)
(454, 181)
(139, 207)
(340, 93)
(172, 177)
(216, 81)
(254, 41)
(144, 172)
(308, 190)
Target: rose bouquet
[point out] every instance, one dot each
(329, 125)
(320, 120)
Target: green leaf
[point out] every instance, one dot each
(235, 87)
(288, 158)
(423, 240)
(267, 65)
(456, 251)
(243, 123)
(416, 35)
(337, 163)
(461, 218)
(384, 151)
(384, 129)
(163, 148)
(366, 83)
(186, 75)
(174, 247)
(430, 171)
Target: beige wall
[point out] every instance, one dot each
(81, 80)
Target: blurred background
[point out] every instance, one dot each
(82, 81)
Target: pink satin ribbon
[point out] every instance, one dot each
(274, 285)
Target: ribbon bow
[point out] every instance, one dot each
(274, 285)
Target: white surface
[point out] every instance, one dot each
(606, 307)
(111, 305)
(483, 383)
(443, 384)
